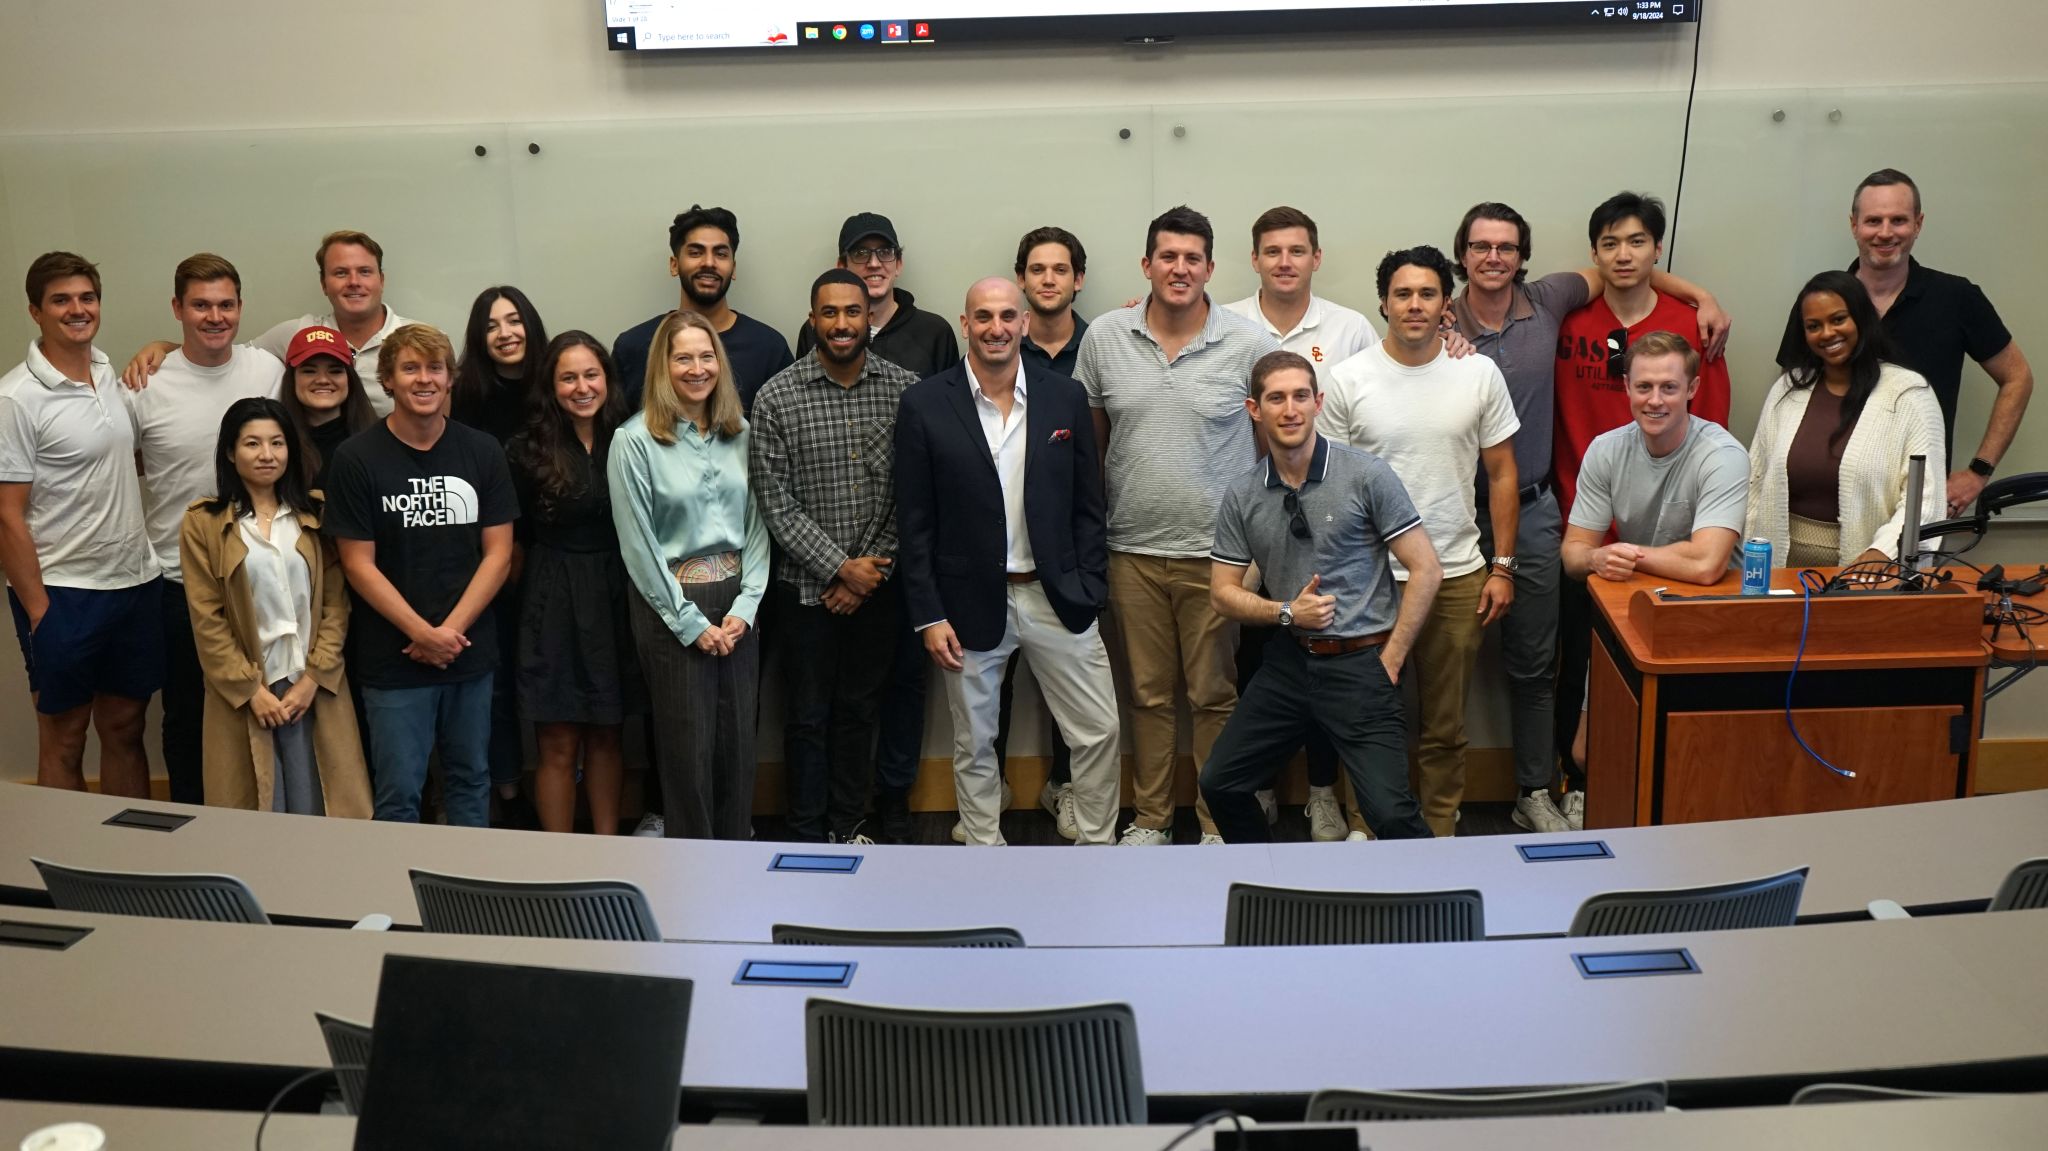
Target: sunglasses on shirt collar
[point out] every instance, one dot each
(1297, 523)
(1617, 353)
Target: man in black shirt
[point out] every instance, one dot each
(421, 509)
(1934, 319)
(1052, 267)
(919, 342)
(704, 245)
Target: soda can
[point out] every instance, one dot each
(1756, 566)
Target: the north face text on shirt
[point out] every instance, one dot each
(436, 501)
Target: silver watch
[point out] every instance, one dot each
(1286, 614)
(1508, 564)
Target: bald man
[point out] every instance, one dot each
(1003, 546)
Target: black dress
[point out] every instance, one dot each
(576, 660)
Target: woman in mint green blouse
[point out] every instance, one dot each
(696, 551)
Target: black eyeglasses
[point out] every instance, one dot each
(882, 254)
(1481, 248)
(1617, 352)
(1297, 523)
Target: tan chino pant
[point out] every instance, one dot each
(1441, 662)
(1167, 632)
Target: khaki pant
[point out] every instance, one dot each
(1167, 632)
(1441, 662)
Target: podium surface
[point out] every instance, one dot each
(1686, 717)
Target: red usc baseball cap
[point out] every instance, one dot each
(318, 341)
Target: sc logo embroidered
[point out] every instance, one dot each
(319, 336)
(1315, 353)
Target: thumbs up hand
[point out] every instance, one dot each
(1314, 611)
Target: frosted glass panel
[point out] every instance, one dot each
(138, 204)
(592, 208)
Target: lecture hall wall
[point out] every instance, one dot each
(143, 66)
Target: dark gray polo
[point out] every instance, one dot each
(1525, 349)
(1353, 504)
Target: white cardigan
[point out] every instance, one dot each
(1901, 419)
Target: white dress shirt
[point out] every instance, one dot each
(281, 590)
(1007, 445)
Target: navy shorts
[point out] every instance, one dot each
(93, 642)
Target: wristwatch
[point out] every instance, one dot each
(1286, 614)
(1507, 564)
(1982, 468)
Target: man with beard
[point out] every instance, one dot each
(820, 465)
(704, 245)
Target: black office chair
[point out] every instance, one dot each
(1260, 916)
(1338, 1105)
(208, 898)
(906, 1067)
(1772, 901)
(606, 909)
(984, 937)
(2026, 889)
(348, 1048)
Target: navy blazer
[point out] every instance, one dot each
(953, 549)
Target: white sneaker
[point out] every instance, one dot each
(1537, 812)
(1058, 801)
(1575, 809)
(1269, 804)
(651, 826)
(1135, 836)
(960, 829)
(1210, 838)
(1325, 817)
(1357, 837)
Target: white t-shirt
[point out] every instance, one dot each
(177, 428)
(279, 338)
(73, 444)
(1327, 335)
(1428, 424)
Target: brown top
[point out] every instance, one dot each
(1815, 459)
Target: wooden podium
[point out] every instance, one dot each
(1686, 707)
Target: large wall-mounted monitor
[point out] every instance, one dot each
(822, 26)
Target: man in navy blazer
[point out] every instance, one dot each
(1003, 544)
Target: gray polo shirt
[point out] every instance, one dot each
(1179, 430)
(1525, 349)
(1353, 504)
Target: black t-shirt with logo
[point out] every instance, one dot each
(426, 511)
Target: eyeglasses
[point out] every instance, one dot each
(1617, 352)
(1481, 248)
(1298, 523)
(883, 255)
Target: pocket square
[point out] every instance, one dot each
(1061, 434)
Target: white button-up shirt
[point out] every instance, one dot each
(281, 590)
(1007, 445)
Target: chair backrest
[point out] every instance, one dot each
(2026, 889)
(212, 898)
(905, 1067)
(1339, 1105)
(1259, 916)
(610, 909)
(1772, 901)
(1863, 1093)
(348, 1048)
(795, 933)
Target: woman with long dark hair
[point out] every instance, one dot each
(1827, 467)
(500, 361)
(324, 397)
(269, 614)
(577, 677)
(696, 549)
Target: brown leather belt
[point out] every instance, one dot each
(1331, 645)
(1021, 577)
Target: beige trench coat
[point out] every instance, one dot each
(239, 764)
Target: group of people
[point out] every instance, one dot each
(1280, 513)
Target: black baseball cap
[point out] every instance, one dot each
(861, 225)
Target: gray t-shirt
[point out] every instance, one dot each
(1651, 502)
(1353, 505)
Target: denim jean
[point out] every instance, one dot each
(407, 724)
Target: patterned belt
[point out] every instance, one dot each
(708, 569)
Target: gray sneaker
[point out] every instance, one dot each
(960, 829)
(651, 826)
(1575, 809)
(1058, 801)
(1537, 812)
(1325, 817)
(1135, 836)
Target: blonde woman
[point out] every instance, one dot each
(696, 550)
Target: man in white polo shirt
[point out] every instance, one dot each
(1436, 421)
(352, 278)
(177, 431)
(82, 580)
